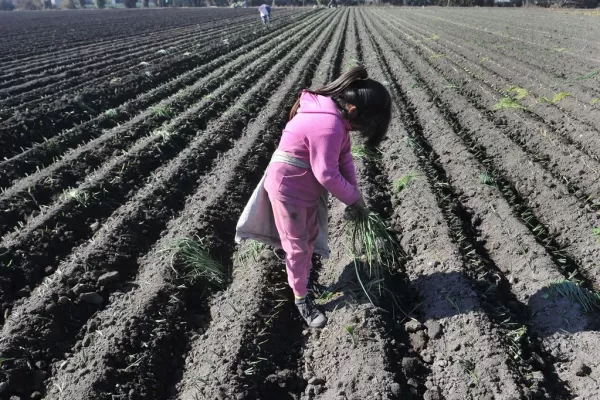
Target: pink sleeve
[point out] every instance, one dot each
(325, 148)
(347, 163)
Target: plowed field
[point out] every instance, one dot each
(124, 131)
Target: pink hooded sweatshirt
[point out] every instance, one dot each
(319, 136)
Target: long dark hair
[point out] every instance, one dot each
(371, 99)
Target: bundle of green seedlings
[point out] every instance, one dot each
(575, 293)
(195, 263)
(373, 246)
(364, 152)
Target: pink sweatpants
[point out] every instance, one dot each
(298, 231)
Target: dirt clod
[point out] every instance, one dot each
(432, 394)
(411, 365)
(81, 288)
(109, 278)
(418, 340)
(434, 329)
(580, 369)
(51, 307)
(413, 326)
(316, 381)
(91, 298)
(310, 390)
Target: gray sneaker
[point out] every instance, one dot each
(311, 313)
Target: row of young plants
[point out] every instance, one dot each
(514, 284)
(34, 250)
(199, 229)
(109, 62)
(547, 103)
(32, 194)
(572, 227)
(151, 102)
(63, 114)
(19, 50)
(472, 371)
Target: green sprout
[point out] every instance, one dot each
(111, 113)
(487, 179)
(519, 92)
(80, 196)
(196, 263)
(507, 103)
(248, 251)
(436, 56)
(403, 182)
(514, 338)
(363, 152)
(468, 367)
(165, 134)
(557, 97)
(350, 332)
(164, 112)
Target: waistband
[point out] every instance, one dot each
(283, 157)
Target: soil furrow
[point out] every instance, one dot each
(114, 69)
(151, 25)
(33, 193)
(552, 60)
(33, 304)
(81, 63)
(446, 278)
(34, 251)
(514, 74)
(538, 130)
(535, 25)
(503, 237)
(43, 153)
(63, 113)
(564, 218)
(111, 67)
(253, 347)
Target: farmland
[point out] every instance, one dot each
(123, 132)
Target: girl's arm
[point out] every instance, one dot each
(347, 167)
(325, 148)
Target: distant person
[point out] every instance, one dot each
(332, 4)
(265, 14)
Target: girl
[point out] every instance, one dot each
(313, 158)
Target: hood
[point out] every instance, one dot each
(317, 104)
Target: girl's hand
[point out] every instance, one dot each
(351, 212)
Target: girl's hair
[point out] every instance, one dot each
(371, 98)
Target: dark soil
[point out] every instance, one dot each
(109, 162)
